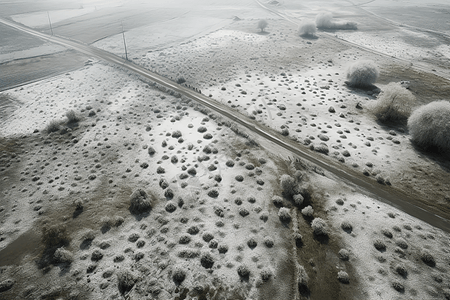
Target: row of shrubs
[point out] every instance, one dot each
(323, 21)
(428, 125)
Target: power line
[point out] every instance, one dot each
(124, 43)
(50, 22)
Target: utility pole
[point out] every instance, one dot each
(124, 43)
(50, 22)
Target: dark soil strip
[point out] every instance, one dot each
(19, 72)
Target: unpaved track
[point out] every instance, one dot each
(367, 186)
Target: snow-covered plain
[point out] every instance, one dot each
(291, 84)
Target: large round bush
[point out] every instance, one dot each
(429, 126)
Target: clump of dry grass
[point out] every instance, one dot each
(289, 185)
(346, 226)
(325, 20)
(125, 281)
(343, 277)
(277, 201)
(427, 258)
(284, 215)
(308, 211)
(178, 275)
(53, 126)
(268, 241)
(302, 280)
(344, 254)
(72, 117)
(140, 202)
(319, 227)
(243, 271)
(63, 256)
(379, 245)
(55, 235)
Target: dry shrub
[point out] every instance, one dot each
(126, 281)
(284, 215)
(343, 277)
(308, 211)
(72, 116)
(362, 74)
(55, 235)
(394, 104)
(324, 20)
(63, 256)
(288, 185)
(307, 29)
(53, 126)
(140, 202)
(429, 126)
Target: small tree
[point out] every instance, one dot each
(262, 24)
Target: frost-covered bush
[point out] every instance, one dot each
(362, 74)
(72, 116)
(394, 104)
(178, 275)
(344, 254)
(63, 256)
(343, 277)
(429, 126)
(307, 29)
(262, 24)
(268, 241)
(288, 185)
(243, 271)
(284, 215)
(139, 202)
(325, 21)
(319, 227)
(308, 211)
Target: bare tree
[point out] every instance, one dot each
(262, 24)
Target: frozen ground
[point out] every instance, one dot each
(212, 190)
(297, 85)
